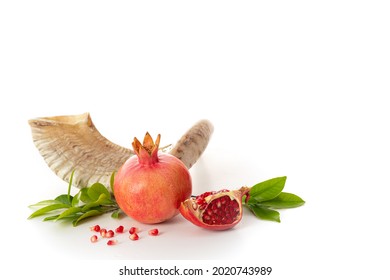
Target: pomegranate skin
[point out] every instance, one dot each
(151, 192)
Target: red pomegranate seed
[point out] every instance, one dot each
(133, 230)
(220, 211)
(153, 232)
(134, 236)
(95, 228)
(119, 229)
(109, 234)
(103, 232)
(112, 242)
(94, 238)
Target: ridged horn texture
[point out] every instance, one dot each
(193, 143)
(72, 142)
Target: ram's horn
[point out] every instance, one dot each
(72, 143)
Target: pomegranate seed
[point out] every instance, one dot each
(153, 232)
(103, 232)
(112, 242)
(133, 230)
(221, 211)
(94, 238)
(119, 229)
(109, 234)
(134, 236)
(95, 228)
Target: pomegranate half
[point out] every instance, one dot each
(215, 210)
(151, 185)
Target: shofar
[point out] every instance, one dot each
(72, 143)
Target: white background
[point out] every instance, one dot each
(293, 88)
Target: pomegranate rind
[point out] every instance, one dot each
(150, 186)
(191, 211)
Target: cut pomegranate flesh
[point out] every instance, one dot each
(221, 211)
(215, 210)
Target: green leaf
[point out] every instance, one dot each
(88, 202)
(76, 199)
(45, 203)
(265, 213)
(47, 209)
(91, 213)
(65, 199)
(84, 197)
(96, 190)
(69, 212)
(50, 218)
(54, 218)
(267, 190)
(116, 214)
(102, 200)
(70, 217)
(90, 205)
(284, 200)
(112, 181)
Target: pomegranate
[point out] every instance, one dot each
(150, 186)
(215, 210)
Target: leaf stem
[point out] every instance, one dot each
(70, 186)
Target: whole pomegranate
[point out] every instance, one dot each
(215, 210)
(150, 185)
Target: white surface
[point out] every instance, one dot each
(293, 88)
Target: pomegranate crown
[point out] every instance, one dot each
(148, 150)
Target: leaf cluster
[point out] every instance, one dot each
(89, 202)
(267, 196)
